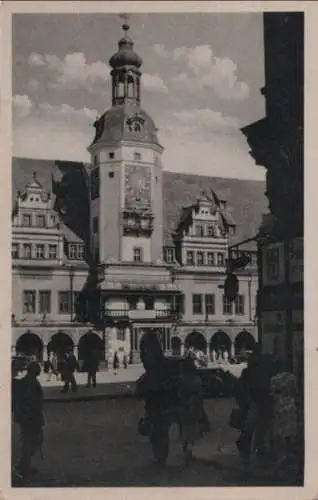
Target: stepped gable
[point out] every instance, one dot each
(67, 182)
(245, 202)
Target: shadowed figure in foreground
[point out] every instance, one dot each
(172, 393)
(27, 402)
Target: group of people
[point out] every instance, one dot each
(172, 391)
(267, 411)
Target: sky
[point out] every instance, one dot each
(202, 76)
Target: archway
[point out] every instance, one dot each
(31, 345)
(176, 346)
(91, 342)
(59, 343)
(220, 342)
(244, 342)
(196, 341)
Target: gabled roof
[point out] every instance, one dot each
(246, 201)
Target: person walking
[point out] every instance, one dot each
(91, 365)
(27, 400)
(125, 362)
(115, 363)
(69, 367)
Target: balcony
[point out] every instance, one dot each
(141, 315)
(137, 222)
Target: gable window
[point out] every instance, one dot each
(27, 220)
(137, 254)
(15, 251)
(52, 252)
(40, 220)
(239, 305)
(29, 301)
(190, 258)
(169, 254)
(196, 303)
(227, 306)
(75, 251)
(111, 155)
(210, 304)
(27, 251)
(64, 303)
(45, 302)
(210, 259)
(39, 251)
(199, 230)
(220, 259)
(211, 230)
(200, 258)
(137, 156)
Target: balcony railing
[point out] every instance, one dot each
(145, 314)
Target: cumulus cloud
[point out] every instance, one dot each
(154, 83)
(22, 106)
(206, 119)
(202, 68)
(34, 84)
(72, 72)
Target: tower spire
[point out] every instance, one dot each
(125, 73)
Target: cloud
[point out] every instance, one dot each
(34, 84)
(22, 106)
(153, 83)
(202, 68)
(206, 120)
(205, 142)
(72, 72)
(160, 50)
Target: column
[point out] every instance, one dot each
(13, 351)
(75, 351)
(182, 349)
(232, 350)
(45, 354)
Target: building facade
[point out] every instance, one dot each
(277, 143)
(136, 248)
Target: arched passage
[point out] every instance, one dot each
(30, 344)
(59, 343)
(196, 340)
(244, 342)
(91, 342)
(220, 342)
(176, 346)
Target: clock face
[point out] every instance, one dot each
(135, 123)
(137, 186)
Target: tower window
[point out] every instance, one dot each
(199, 230)
(137, 156)
(40, 220)
(137, 254)
(95, 184)
(111, 155)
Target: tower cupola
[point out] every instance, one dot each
(125, 72)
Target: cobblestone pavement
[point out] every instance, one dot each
(95, 443)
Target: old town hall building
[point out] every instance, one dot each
(103, 252)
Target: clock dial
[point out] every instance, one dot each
(137, 186)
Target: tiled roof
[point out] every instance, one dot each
(246, 201)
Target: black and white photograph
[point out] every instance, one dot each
(157, 262)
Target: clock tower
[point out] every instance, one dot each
(126, 171)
